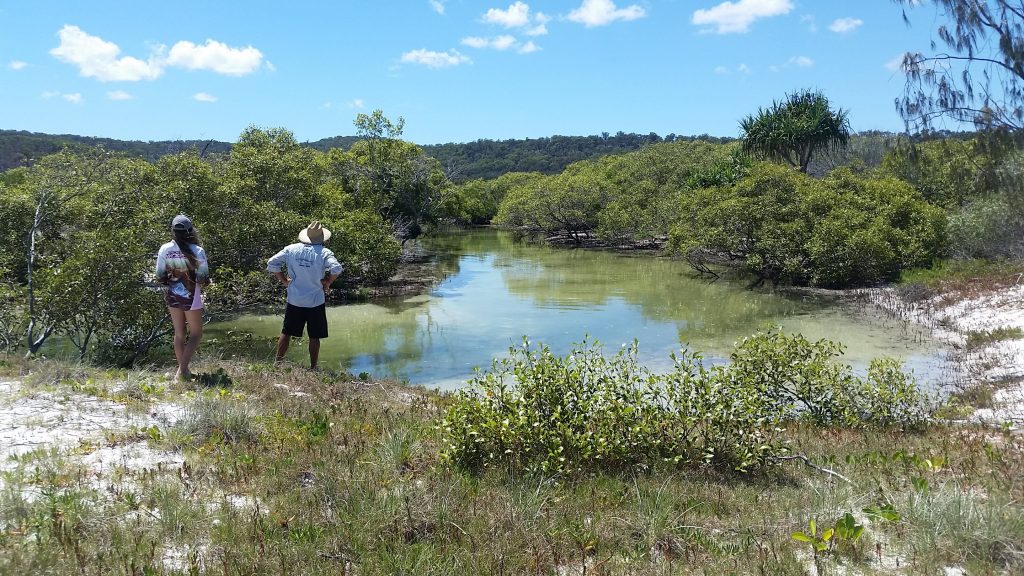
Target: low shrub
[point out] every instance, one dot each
(556, 415)
(218, 419)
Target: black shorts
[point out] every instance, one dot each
(297, 317)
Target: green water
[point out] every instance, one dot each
(498, 290)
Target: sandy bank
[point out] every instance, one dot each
(956, 317)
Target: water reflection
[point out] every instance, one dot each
(499, 290)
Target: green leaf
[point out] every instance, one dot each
(827, 535)
(801, 537)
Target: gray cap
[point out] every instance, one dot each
(181, 222)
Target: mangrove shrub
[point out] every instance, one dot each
(784, 226)
(563, 415)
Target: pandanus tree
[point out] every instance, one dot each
(796, 129)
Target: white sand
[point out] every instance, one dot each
(999, 362)
(62, 422)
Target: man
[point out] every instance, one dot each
(311, 271)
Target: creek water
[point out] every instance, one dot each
(497, 290)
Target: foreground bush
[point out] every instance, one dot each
(539, 412)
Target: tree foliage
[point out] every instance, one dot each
(784, 226)
(630, 197)
(82, 228)
(796, 129)
(979, 79)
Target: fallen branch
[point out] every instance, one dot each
(807, 461)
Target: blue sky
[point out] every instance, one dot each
(457, 70)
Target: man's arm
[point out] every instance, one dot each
(276, 266)
(331, 267)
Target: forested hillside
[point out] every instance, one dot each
(18, 147)
(463, 161)
(492, 158)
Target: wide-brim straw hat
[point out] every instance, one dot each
(315, 233)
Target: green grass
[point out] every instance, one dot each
(953, 272)
(981, 338)
(348, 480)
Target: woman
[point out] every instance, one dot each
(181, 266)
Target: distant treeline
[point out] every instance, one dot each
(485, 159)
(19, 148)
(479, 159)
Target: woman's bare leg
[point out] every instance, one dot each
(195, 334)
(178, 320)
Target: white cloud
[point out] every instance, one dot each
(97, 58)
(736, 17)
(529, 48)
(357, 103)
(540, 27)
(215, 56)
(503, 42)
(601, 12)
(721, 70)
(516, 15)
(432, 59)
(49, 94)
(801, 61)
(270, 66)
(843, 25)
(204, 97)
(74, 98)
(476, 42)
(100, 59)
(17, 64)
(743, 69)
(119, 95)
(438, 6)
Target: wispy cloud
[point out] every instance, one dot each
(593, 13)
(540, 25)
(73, 97)
(97, 58)
(119, 95)
(896, 64)
(356, 103)
(844, 25)
(434, 59)
(204, 97)
(16, 64)
(812, 24)
(801, 61)
(744, 69)
(528, 48)
(497, 43)
(736, 17)
(437, 6)
(721, 70)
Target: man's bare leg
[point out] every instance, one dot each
(314, 352)
(282, 346)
